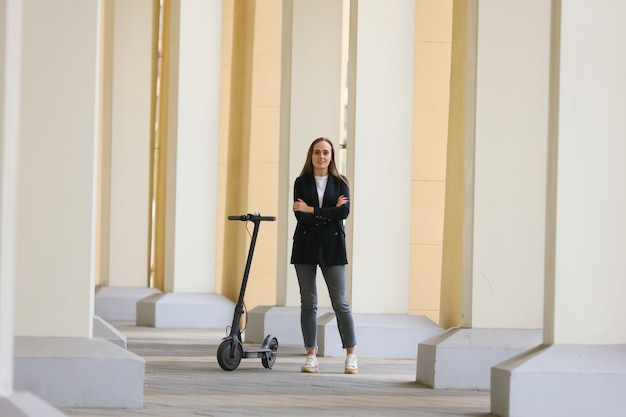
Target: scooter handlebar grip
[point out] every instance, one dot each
(247, 217)
(242, 218)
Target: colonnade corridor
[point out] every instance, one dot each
(483, 142)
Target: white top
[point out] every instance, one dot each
(320, 183)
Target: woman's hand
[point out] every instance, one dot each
(300, 205)
(341, 200)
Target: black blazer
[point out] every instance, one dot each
(320, 237)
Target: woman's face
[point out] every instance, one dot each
(322, 155)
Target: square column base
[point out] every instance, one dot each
(120, 303)
(79, 372)
(177, 310)
(376, 333)
(561, 381)
(462, 358)
(25, 404)
(282, 322)
(391, 336)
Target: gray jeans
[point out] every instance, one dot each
(335, 277)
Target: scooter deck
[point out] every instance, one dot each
(255, 353)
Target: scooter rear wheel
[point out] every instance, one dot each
(224, 358)
(268, 362)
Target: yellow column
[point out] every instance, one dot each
(433, 40)
(454, 226)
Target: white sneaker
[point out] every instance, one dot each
(351, 365)
(311, 365)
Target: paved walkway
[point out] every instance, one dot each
(183, 379)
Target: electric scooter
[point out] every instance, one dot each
(232, 350)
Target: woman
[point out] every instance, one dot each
(321, 204)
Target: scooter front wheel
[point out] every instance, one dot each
(227, 361)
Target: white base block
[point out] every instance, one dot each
(79, 372)
(375, 332)
(103, 330)
(561, 381)
(25, 404)
(392, 336)
(462, 358)
(120, 303)
(176, 310)
(281, 322)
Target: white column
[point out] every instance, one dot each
(581, 368)
(128, 205)
(587, 228)
(504, 289)
(190, 298)
(124, 157)
(56, 356)
(504, 212)
(56, 189)
(380, 133)
(10, 34)
(12, 403)
(311, 108)
(193, 139)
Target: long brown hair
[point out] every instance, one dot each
(332, 168)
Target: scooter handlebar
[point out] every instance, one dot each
(252, 217)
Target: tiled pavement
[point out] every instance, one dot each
(183, 379)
